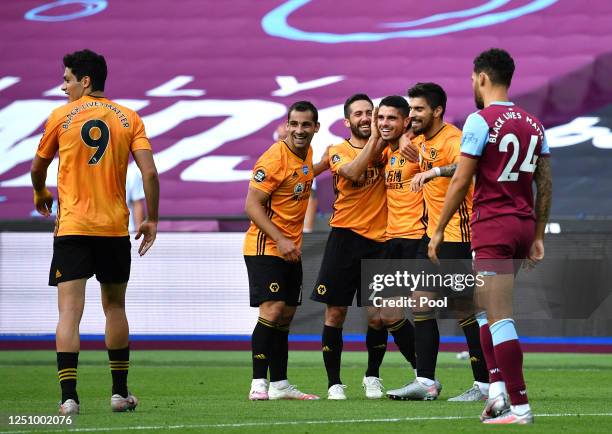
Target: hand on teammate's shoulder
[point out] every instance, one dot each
(407, 149)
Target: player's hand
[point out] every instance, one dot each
(418, 180)
(290, 252)
(374, 132)
(434, 246)
(43, 201)
(536, 253)
(148, 230)
(407, 149)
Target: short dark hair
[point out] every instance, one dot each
(432, 92)
(497, 64)
(352, 99)
(399, 102)
(304, 106)
(87, 63)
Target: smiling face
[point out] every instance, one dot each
(422, 115)
(74, 88)
(391, 123)
(301, 127)
(360, 119)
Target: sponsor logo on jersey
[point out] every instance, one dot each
(259, 175)
(305, 169)
(335, 158)
(392, 160)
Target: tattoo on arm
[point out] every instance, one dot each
(543, 179)
(449, 170)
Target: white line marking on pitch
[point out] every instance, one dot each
(289, 422)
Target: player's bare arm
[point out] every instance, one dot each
(457, 189)
(421, 178)
(355, 169)
(323, 164)
(150, 182)
(543, 180)
(43, 199)
(255, 209)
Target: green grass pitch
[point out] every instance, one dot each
(190, 391)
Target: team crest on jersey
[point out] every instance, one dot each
(305, 169)
(402, 161)
(259, 175)
(274, 287)
(335, 158)
(298, 189)
(433, 154)
(393, 160)
(321, 289)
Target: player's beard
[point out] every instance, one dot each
(355, 131)
(478, 100)
(424, 125)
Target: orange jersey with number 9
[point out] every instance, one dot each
(94, 137)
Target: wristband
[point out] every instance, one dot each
(436, 171)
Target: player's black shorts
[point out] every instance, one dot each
(271, 278)
(448, 250)
(82, 256)
(340, 274)
(404, 248)
(456, 259)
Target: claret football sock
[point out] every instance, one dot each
(119, 361)
(376, 342)
(403, 335)
(331, 344)
(509, 357)
(261, 347)
(427, 344)
(67, 374)
(280, 354)
(472, 335)
(486, 343)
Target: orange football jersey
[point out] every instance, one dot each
(441, 150)
(288, 180)
(94, 137)
(406, 210)
(360, 206)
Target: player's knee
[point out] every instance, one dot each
(71, 311)
(335, 316)
(113, 304)
(287, 315)
(272, 311)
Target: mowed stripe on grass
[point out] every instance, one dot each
(193, 391)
